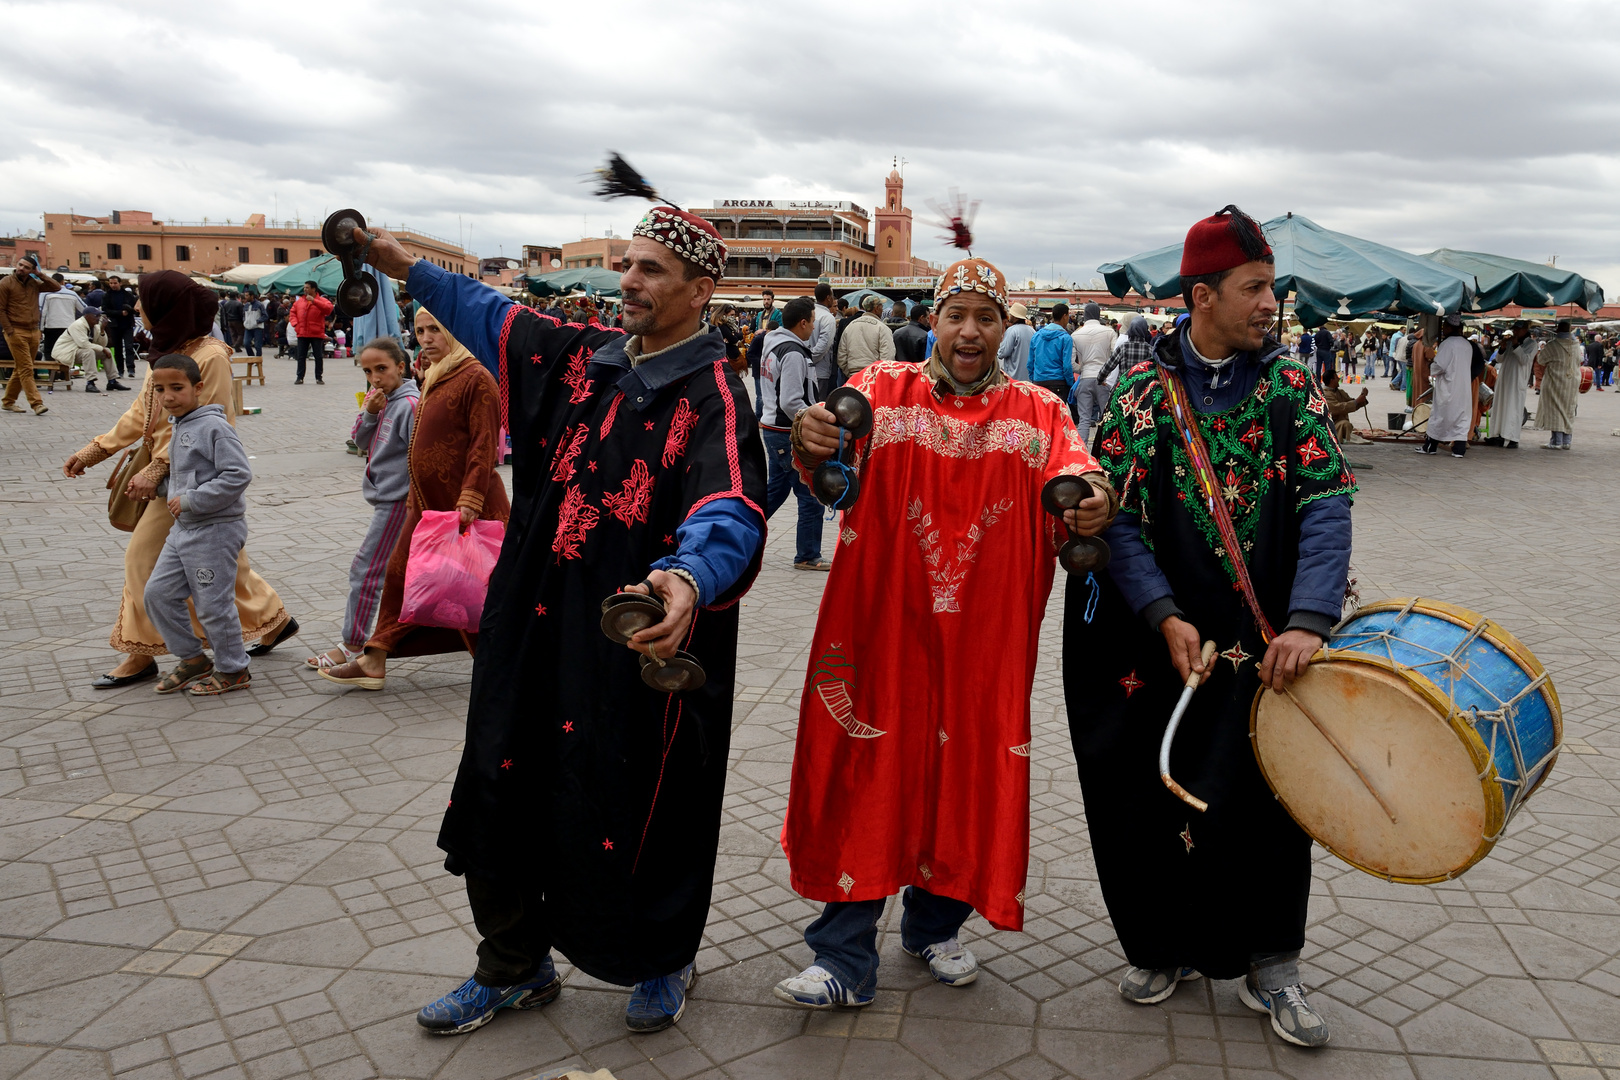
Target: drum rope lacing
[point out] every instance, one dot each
(1498, 718)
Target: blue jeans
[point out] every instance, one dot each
(844, 937)
(782, 476)
(253, 341)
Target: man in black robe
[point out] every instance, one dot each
(1222, 892)
(586, 812)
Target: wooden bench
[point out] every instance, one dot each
(237, 383)
(251, 362)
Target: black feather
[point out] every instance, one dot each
(617, 179)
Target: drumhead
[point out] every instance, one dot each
(1423, 766)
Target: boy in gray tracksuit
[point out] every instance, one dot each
(207, 494)
(382, 432)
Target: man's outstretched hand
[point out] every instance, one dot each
(386, 253)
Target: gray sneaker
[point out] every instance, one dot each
(1149, 986)
(1291, 1015)
(949, 962)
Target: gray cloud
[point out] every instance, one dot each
(1486, 125)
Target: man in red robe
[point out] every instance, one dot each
(912, 766)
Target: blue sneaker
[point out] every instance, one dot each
(817, 988)
(472, 1005)
(657, 1003)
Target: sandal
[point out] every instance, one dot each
(218, 682)
(288, 629)
(326, 660)
(351, 674)
(184, 674)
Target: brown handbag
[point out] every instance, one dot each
(122, 511)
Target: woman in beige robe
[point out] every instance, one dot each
(179, 314)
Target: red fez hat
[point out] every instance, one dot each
(1225, 240)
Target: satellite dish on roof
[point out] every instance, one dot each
(556, 263)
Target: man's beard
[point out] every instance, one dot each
(639, 324)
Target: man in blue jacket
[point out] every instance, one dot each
(1222, 893)
(1051, 355)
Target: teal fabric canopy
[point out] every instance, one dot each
(593, 280)
(324, 270)
(1504, 281)
(1331, 274)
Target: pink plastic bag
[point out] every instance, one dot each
(448, 575)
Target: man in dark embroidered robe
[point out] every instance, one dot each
(586, 811)
(1222, 892)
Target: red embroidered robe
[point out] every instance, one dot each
(912, 766)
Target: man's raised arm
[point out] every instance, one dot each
(472, 311)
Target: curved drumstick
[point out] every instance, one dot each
(1193, 680)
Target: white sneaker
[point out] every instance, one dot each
(949, 962)
(1292, 1017)
(1149, 986)
(817, 988)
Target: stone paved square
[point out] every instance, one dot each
(249, 887)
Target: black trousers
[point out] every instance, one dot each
(512, 926)
(307, 346)
(121, 337)
(47, 342)
(1061, 389)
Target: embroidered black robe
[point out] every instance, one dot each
(578, 782)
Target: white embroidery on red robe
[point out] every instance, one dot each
(950, 437)
(629, 504)
(680, 429)
(846, 883)
(946, 577)
(833, 689)
(1022, 749)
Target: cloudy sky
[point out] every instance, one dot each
(1089, 132)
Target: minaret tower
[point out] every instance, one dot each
(892, 232)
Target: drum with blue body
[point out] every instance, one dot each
(1416, 734)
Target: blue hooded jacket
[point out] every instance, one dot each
(1051, 355)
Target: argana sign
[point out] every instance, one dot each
(786, 204)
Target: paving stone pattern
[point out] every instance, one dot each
(248, 886)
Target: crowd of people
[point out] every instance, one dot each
(585, 813)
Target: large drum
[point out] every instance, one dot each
(1413, 738)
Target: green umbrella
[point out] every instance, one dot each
(594, 280)
(1331, 274)
(1504, 281)
(324, 270)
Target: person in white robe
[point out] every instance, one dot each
(1560, 359)
(1512, 379)
(1451, 375)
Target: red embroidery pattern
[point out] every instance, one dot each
(1311, 452)
(680, 430)
(629, 504)
(575, 376)
(612, 413)
(568, 726)
(568, 448)
(607, 845)
(574, 520)
(539, 609)
(506, 763)
(1131, 684)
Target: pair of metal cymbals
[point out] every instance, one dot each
(833, 482)
(1080, 554)
(624, 615)
(358, 292)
